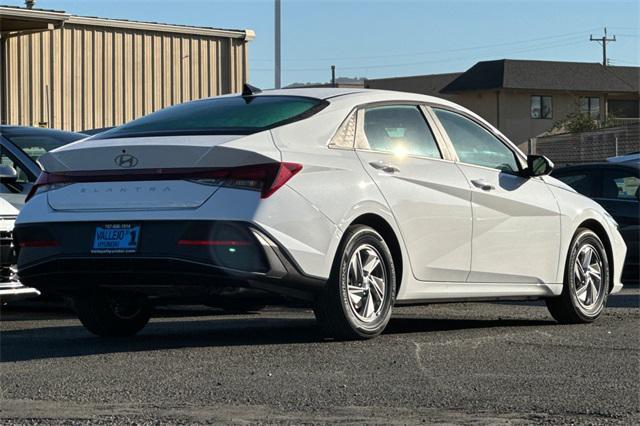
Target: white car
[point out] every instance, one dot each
(351, 200)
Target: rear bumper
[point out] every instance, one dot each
(161, 266)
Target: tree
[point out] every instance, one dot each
(575, 123)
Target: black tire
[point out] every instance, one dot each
(567, 308)
(334, 312)
(113, 315)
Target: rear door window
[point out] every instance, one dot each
(400, 130)
(620, 184)
(232, 115)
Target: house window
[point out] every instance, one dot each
(590, 106)
(541, 107)
(623, 108)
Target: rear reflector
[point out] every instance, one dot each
(38, 243)
(266, 178)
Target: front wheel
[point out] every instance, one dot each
(360, 294)
(586, 283)
(113, 315)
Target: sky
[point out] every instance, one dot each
(377, 39)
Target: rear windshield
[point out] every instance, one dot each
(220, 116)
(36, 142)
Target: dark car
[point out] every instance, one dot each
(20, 148)
(615, 185)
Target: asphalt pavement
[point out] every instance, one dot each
(485, 363)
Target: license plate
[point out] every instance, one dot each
(116, 238)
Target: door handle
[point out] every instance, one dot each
(482, 184)
(380, 165)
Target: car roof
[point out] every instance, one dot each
(12, 130)
(356, 95)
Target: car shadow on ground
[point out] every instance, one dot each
(161, 334)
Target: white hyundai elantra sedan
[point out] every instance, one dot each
(350, 200)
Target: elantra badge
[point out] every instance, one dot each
(126, 160)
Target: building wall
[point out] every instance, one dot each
(83, 77)
(515, 110)
(514, 117)
(483, 103)
(516, 121)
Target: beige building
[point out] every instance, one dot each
(75, 73)
(525, 98)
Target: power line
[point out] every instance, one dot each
(615, 61)
(544, 46)
(429, 52)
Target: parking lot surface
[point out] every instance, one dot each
(498, 363)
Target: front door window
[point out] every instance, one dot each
(475, 145)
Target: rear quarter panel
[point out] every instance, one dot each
(332, 180)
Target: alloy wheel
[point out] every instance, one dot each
(366, 283)
(587, 270)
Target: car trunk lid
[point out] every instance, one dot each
(149, 173)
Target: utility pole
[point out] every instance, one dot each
(278, 70)
(603, 41)
(333, 76)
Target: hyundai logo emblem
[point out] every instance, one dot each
(126, 160)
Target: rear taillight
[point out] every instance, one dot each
(266, 178)
(47, 182)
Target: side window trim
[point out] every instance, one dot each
(362, 144)
(441, 135)
(520, 159)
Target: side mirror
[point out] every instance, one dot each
(538, 165)
(8, 173)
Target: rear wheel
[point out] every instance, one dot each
(586, 283)
(109, 315)
(360, 294)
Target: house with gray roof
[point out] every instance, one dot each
(525, 98)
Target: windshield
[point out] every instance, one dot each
(225, 115)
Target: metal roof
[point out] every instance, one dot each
(12, 19)
(20, 19)
(547, 75)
